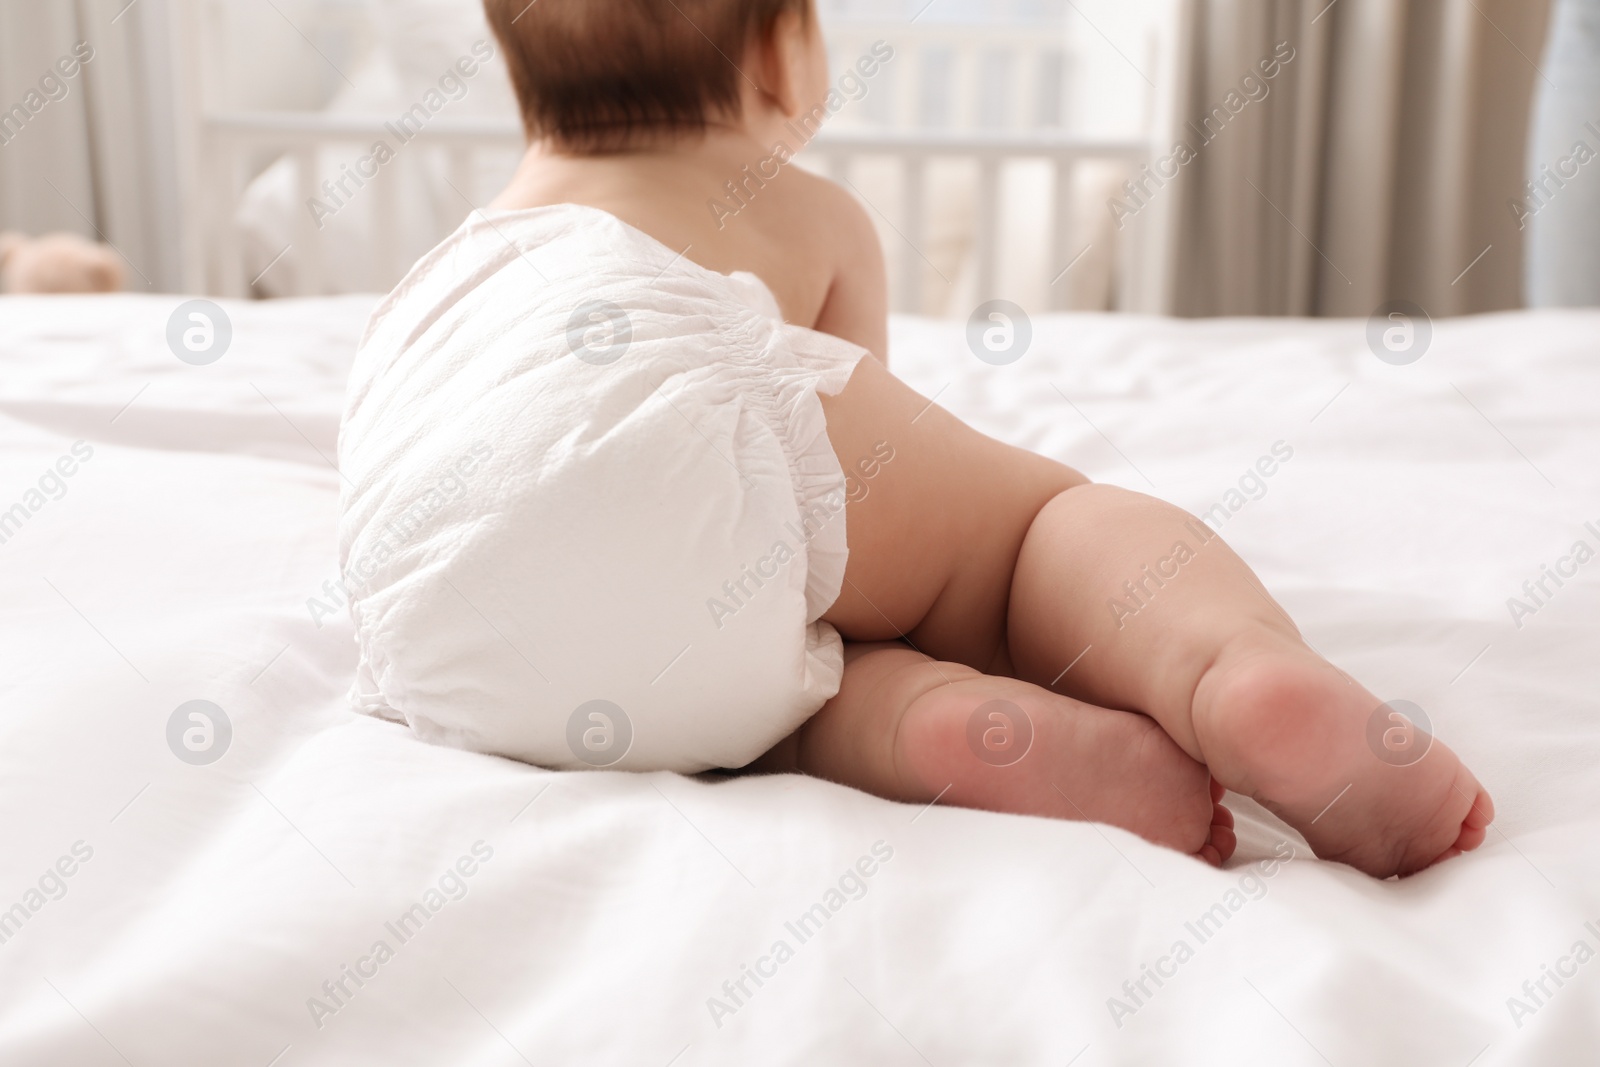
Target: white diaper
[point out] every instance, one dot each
(591, 516)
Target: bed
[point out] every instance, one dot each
(211, 883)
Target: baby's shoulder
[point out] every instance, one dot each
(821, 211)
(833, 222)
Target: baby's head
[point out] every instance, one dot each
(596, 76)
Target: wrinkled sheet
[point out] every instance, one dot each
(225, 913)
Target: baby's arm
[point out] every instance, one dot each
(857, 307)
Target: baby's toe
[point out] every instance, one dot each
(1475, 826)
(1223, 839)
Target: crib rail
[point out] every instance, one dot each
(230, 141)
(956, 135)
(839, 150)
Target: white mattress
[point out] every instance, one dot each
(218, 899)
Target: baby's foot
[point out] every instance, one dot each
(1082, 763)
(1280, 724)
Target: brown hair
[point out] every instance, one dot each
(597, 75)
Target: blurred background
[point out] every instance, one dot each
(1191, 157)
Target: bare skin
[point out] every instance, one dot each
(979, 573)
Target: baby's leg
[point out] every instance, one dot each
(985, 555)
(934, 537)
(902, 727)
(1176, 626)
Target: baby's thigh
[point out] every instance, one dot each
(936, 516)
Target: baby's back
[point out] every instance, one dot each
(732, 207)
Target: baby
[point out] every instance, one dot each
(684, 438)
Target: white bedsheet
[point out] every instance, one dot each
(218, 899)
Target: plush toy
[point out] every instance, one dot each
(57, 263)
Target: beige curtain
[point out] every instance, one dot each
(97, 155)
(50, 146)
(1376, 164)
